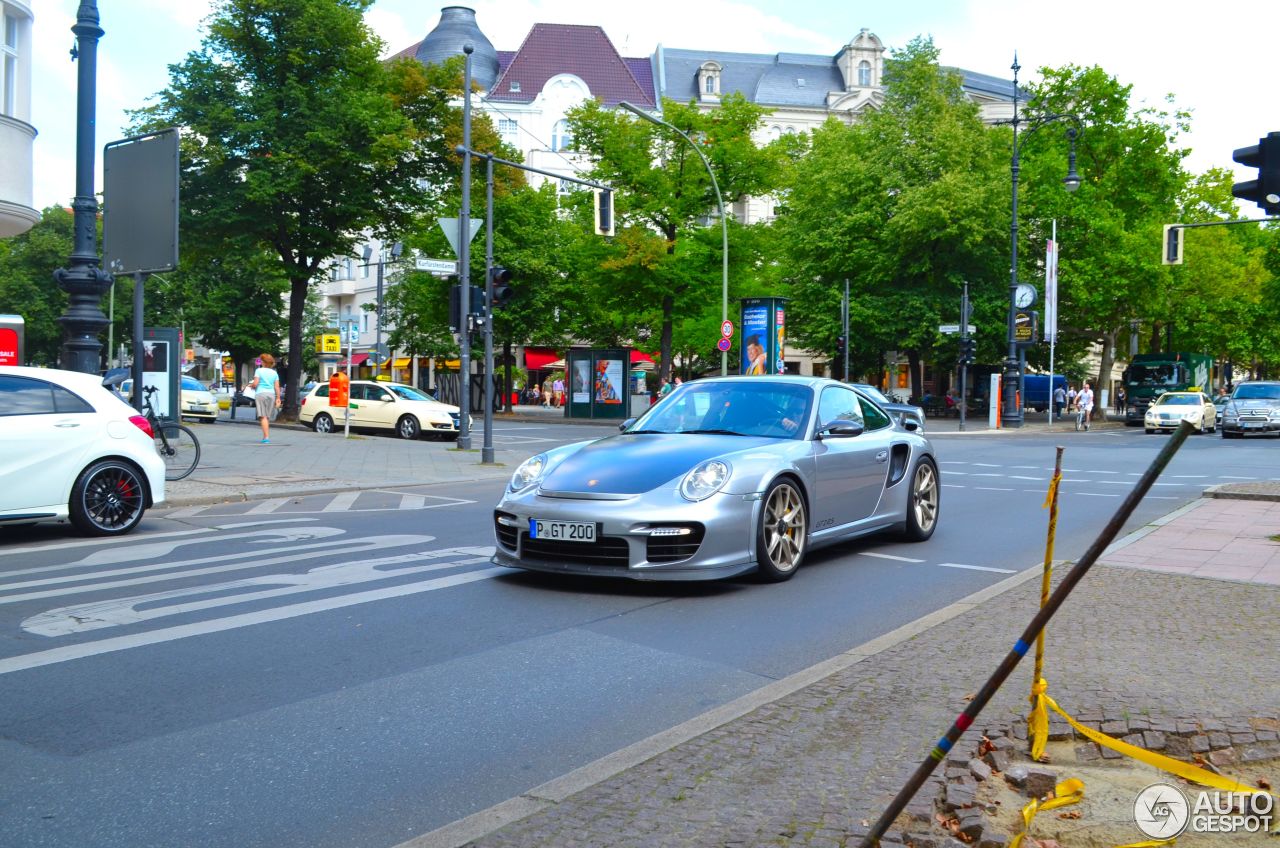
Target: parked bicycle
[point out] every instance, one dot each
(176, 443)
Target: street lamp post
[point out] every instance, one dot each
(724, 222)
(1011, 412)
(83, 280)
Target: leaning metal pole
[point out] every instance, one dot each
(1038, 622)
(84, 282)
(464, 263)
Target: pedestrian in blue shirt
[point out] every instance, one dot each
(266, 383)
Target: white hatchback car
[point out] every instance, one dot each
(73, 450)
(382, 406)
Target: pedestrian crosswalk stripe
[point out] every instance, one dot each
(266, 506)
(341, 502)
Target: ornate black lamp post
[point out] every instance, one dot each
(1011, 411)
(83, 280)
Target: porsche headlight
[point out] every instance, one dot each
(529, 472)
(705, 480)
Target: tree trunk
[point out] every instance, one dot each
(297, 302)
(1104, 374)
(506, 364)
(1154, 347)
(916, 382)
(664, 369)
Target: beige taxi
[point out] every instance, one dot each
(401, 408)
(1172, 408)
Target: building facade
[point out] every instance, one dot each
(17, 135)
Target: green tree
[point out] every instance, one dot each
(27, 263)
(297, 137)
(901, 204)
(664, 265)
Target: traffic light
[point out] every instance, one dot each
(501, 293)
(1172, 244)
(1265, 190)
(840, 345)
(968, 351)
(604, 212)
(475, 305)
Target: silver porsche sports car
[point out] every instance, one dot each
(723, 476)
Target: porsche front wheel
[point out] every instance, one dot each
(783, 533)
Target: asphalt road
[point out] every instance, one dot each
(348, 670)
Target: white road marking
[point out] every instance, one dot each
(1095, 494)
(888, 556)
(952, 462)
(308, 552)
(186, 512)
(992, 489)
(976, 567)
(952, 486)
(412, 501)
(1076, 480)
(1189, 476)
(1095, 471)
(124, 540)
(151, 550)
(1024, 467)
(987, 464)
(270, 505)
(183, 631)
(1020, 477)
(341, 502)
(986, 474)
(117, 612)
(1229, 477)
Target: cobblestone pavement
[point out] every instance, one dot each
(808, 768)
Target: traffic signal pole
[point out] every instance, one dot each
(486, 449)
(964, 359)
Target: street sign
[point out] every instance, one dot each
(353, 333)
(437, 266)
(726, 330)
(724, 345)
(948, 329)
(329, 343)
(380, 352)
(451, 226)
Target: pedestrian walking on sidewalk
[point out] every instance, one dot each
(1059, 400)
(1120, 399)
(266, 384)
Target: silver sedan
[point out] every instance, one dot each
(722, 477)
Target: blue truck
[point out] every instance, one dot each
(1038, 393)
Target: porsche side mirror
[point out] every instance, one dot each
(622, 428)
(841, 429)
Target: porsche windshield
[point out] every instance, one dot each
(737, 407)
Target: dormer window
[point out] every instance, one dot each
(515, 85)
(864, 74)
(709, 81)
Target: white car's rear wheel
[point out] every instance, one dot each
(322, 423)
(923, 501)
(108, 499)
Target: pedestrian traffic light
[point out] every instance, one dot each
(840, 345)
(1265, 190)
(1172, 244)
(604, 212)
(500, 292)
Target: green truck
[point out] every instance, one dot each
(1150, 375)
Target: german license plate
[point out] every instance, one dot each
(562, 531)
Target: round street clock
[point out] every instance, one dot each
(1024, 295)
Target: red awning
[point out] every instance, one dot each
(637, 356)
(356, 361)
(539, 357)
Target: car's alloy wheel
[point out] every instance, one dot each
(408, 427)
(322, 423)
(924, 500)
(108, 499)
(783, 533)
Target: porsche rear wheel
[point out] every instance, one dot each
(783, 533)
(923, 501)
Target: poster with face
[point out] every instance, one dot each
(155, 372)
(780, 322)
(581, 381)
(608, 384)
(755, 339)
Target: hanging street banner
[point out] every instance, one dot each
(1051, 291)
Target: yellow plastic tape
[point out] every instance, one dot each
(1176, 767)
(1069, 791)
(1053, 490)
(1038, 721)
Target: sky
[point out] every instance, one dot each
(1212, 59)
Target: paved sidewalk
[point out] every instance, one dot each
(811, 758)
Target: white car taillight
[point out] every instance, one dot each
(143, 424)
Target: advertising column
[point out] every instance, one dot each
(764, 321)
